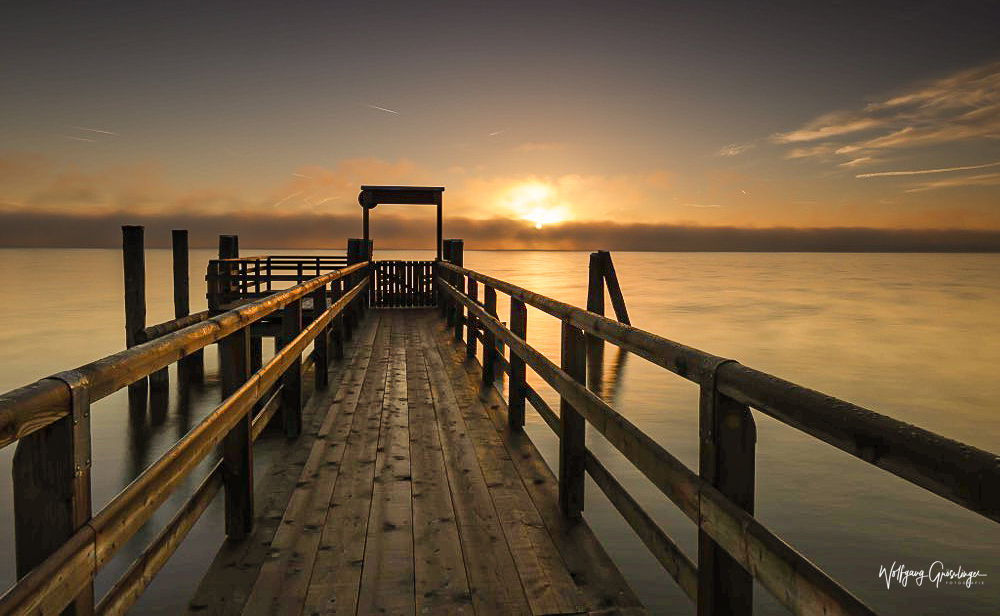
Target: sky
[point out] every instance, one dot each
(565, 125)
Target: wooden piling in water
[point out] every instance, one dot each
(134, 263)
(193, 364)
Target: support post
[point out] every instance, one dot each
(516, 385)
(134, 261)
(458, 281)
(193, 364)
(51, 472)
(489, 340)
(572, 443)
(614, 289)
(291, 394)
(440, 226)
(444, 306)
(337, 324)
(727, 440)
(595, 304)
(470, 325)
(237, 445)
(320, 345)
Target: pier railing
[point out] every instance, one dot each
(734, 548)
(230, 280)
(60, 546)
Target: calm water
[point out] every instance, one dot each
(911, 336)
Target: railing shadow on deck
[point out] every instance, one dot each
(734, 548)
(60, 546)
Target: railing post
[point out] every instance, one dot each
(237, 445)
(51, 472)
(320, 344)
(489, 340)
(134, 262)
(470, 323)
(337, 324)
(572, 443)
(516, 384)
(595, 304)
(291, 393)
(193, 364)
(727, 440)
(458, 281)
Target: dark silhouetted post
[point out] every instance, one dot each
(134, 261)
(458, 281)
(489, 340)
(595, 304)
(51, 471)
(515, 405)
(320, 345)
(193, 364)
(291, 393)
(572, 443)
(471, 326)
(237, 445)
(728, 437)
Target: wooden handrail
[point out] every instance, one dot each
(54, 583)
(953, 470)
(776, 565)
(34, 406)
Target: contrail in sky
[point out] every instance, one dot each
(95, 130)
(496, 133)
(382, 109)
(79, 138)
(923, 171)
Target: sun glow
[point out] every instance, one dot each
(533, 201)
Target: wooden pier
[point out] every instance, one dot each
(405, 483)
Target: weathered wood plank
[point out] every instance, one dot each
(589, 565)
(282, 584)
(229, 580)
(492, 574)
(441, 584)
(544, 576)
(387, 585)
(333, 587)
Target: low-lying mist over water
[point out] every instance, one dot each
(912, 336)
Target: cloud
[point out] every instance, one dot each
(702, 205)
(964, 106)
(983, 179)
(924, 171)
(863, 160)
(734, 149)
(329, 231)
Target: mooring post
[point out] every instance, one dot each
(516, 384)
(320, 345)
(572, 443)
(614, 289)
(470, 324)
(134, 261)
(489, 340)
(194, 364)
(237, 445)
(595, 304)
(52, 500)
(291, 393)
(728, 437)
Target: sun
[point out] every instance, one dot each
(533, 201)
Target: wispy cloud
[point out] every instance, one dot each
(734, 149)
(702, 205)
(982, 179)
(74, 138)
(857, 162)
(962, 107)
(880, 174)
(95, 130)
(381, 108)
(497, 132)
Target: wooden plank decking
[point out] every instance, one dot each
(407, 494)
